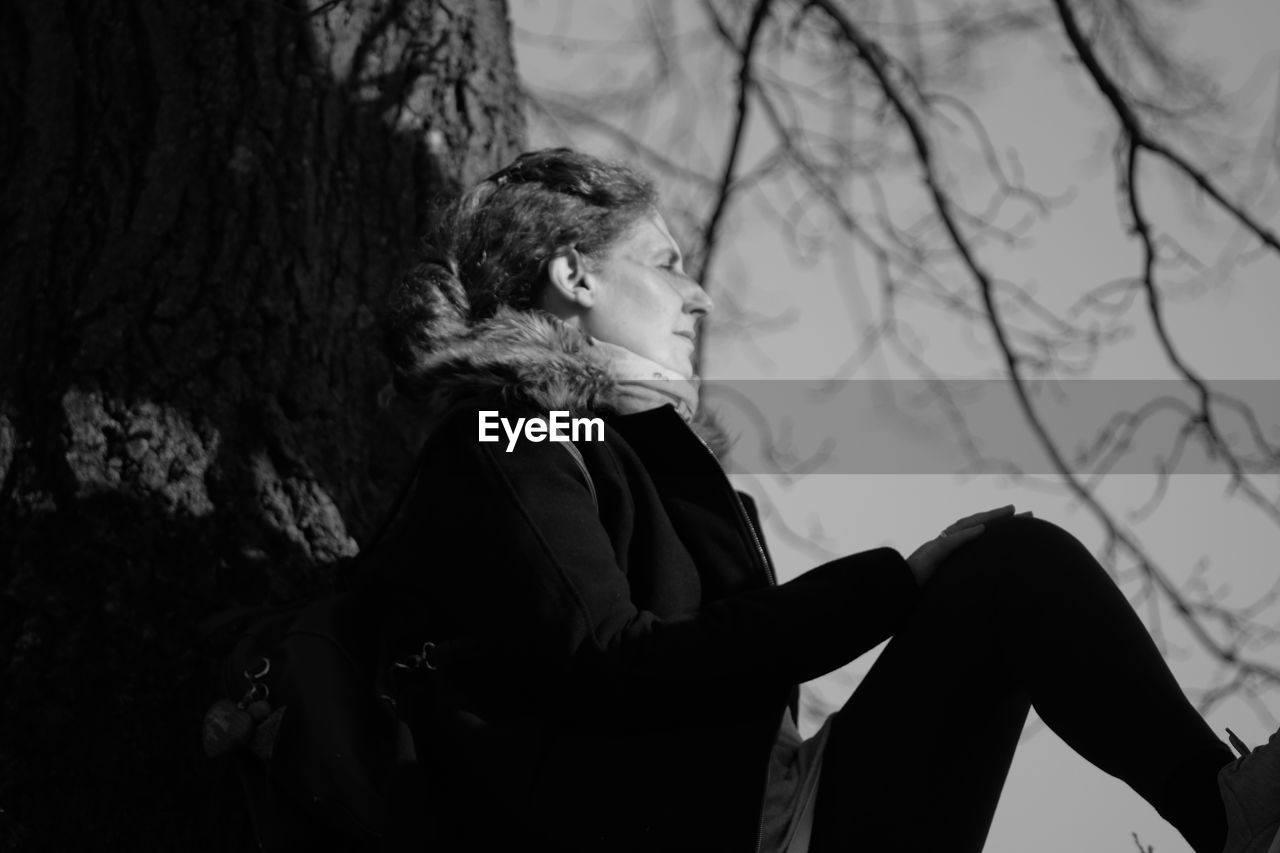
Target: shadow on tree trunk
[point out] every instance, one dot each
(201, 207)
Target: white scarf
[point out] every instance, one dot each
(644, 384)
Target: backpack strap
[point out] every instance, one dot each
(582, 466)
(437, 653)
(406, 491)
(402, 501)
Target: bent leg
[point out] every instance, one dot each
(1021, 616)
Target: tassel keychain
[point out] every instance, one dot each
(229, 726)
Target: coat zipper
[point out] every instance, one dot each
(744, 515)
(773, 581)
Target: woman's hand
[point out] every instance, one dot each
(926, 559)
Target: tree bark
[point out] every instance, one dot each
(202, 204)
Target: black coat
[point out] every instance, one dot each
(614, 674)
(611, 676)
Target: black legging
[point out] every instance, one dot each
(1023, 616)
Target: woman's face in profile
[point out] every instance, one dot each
(645, 302)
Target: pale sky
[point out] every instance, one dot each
(1054, 801)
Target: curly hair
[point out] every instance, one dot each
(491, 246)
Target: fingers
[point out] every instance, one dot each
(957, 538)
(980, 517)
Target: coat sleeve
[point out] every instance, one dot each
(786, 634)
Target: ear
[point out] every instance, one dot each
(569, 280)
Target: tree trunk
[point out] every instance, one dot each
(202, 205)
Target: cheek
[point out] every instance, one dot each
(644, 313)
(646, 306)
(663, 302)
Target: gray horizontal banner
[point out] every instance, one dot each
(980, 427)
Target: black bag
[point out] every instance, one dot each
(315, 731)
(312, 711)
(312, 715)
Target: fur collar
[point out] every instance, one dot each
(532, 355)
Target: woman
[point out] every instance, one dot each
(617, 666)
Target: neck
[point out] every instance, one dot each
(645, 384)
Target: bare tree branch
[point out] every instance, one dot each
(730, 163)
(850, 120)
(1140, 138)
(876, 61)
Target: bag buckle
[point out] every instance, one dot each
(420, 660)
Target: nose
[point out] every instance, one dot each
(696, 300)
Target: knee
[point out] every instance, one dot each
(1027, 550)
(1025, 532)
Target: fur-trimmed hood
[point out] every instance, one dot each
(530, 355)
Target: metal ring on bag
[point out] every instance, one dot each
(260, 672)
(427, 648)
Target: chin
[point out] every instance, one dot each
(681, 362)
(678, 365)
(682, 366)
